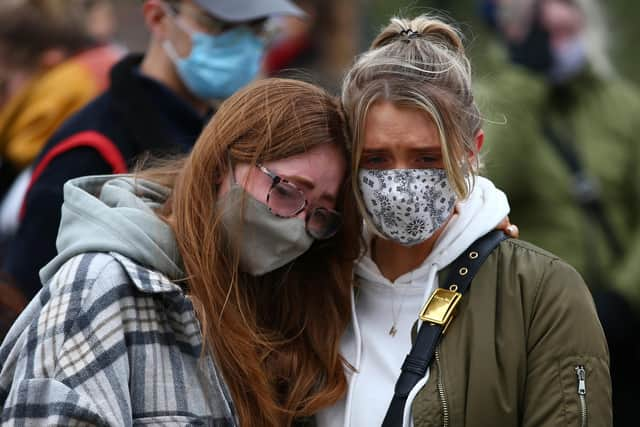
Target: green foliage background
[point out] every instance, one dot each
(623, 17)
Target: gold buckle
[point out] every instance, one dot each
(440, 306)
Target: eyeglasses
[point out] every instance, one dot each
(286, 200)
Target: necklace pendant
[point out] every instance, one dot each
(393, 331)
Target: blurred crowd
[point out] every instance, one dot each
(560, 122)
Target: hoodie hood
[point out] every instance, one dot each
(115, 214)
(478, 214)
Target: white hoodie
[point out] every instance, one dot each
(367, 345)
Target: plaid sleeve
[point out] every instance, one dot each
(70, 365)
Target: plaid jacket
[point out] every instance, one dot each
(108, 342)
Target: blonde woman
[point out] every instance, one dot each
(525, 346)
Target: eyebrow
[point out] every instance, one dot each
(428, 149)
(435, 150)
(299, 179)
(374, 151)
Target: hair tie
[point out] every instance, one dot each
(409, 33)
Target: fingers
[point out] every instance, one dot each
(512, 230)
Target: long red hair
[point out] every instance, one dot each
(275, 338)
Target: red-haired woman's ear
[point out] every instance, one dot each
(479, 139)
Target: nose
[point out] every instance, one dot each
(401, 164)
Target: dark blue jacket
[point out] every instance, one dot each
(135, 115)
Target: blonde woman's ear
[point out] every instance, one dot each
(479, 139)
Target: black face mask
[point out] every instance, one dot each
(534, 52)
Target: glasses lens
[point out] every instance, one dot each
(285, 200)
(323, 223)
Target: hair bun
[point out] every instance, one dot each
(421, 27)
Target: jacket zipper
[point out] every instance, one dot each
(581, 375)
(441, 393)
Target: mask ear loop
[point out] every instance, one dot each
(167, 45)
(171, 51)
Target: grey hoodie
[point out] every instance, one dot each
(110, 339)
(115, 214)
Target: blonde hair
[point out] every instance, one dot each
(418, 63)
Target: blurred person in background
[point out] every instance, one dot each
(568, 156)
(318, 48)
(54, 58)
(296, 45)
(200, 52)
(3, 86)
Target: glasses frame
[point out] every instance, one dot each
(277, 179)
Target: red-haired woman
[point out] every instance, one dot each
(211, 290)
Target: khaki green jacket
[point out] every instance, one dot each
(510, 355)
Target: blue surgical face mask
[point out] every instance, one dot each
(218, 65)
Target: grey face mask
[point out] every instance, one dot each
(267, 241)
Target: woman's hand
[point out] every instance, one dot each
(510, 230)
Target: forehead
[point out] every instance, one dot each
(558, 15)
(320, 163)
(389, 125)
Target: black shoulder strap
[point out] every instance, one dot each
(585, 189)
(415, 365)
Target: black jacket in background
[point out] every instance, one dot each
(138, 115)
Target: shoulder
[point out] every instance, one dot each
(521, 254)
(79, 334)
(537, 269)
(90, 277)
(87, 152)
(69, 80)
(520, 247)
(93, 292)
(84, 288)
(100, 273)
(98, 115)
(541, 280)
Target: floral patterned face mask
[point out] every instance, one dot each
(407, 205)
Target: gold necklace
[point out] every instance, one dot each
(394, 315)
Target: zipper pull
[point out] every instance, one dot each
(581, 373)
